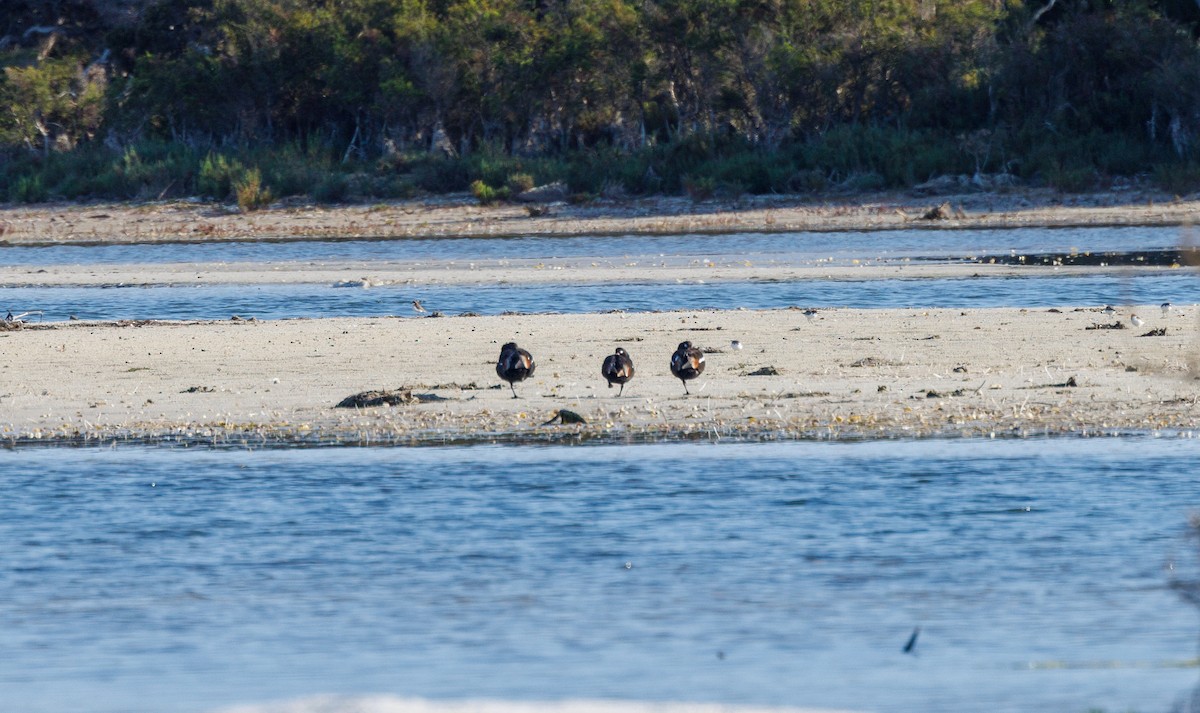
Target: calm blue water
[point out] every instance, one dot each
(163, 580)
(799, 247)
(320, 300)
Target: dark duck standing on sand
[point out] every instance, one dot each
(618, 369)
(515, 365)
(687, 363)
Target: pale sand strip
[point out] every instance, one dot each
(513, 272)
(844, 374)
(392, 704)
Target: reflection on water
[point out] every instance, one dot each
(768, 574)
(308, 300)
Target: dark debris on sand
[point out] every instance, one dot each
(378, 398)
(765, 371)
(565, 416)
(385, 397)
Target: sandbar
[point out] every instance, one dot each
(840, 374)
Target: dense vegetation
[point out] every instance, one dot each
(338, 98)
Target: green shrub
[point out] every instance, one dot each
(809, 180)
(750, 170)
(868, 181)
(438, 174)
(700, 188)
(86, 171)
(333, 188)
(251, 194)
(1179, 178)
(490, 164)
(519, 182)
(486, 195)
(150, 170)
(218, 175)
(294, 171)
(592, 170)
(1071, 179)
(892, 157)
(394, 187)
(27, 189)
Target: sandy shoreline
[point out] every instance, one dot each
(845, 374)
(461, 216)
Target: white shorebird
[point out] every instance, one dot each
(1109, 310)
(810, 313)
(417, 307)
(1137, 321)
(735, 345)
(1166, 309)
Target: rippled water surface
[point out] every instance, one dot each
(1042, 288)
(783, 246)
(179, 580)
(309, 300)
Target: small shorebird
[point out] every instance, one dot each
(418, 307)
(617, 369)
(735, 345)
(687, 363)
(515, 364)
(1136, 320)
(1109, 310)
(1166, 309)
(810, 314)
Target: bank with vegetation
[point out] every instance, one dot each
(342, 99)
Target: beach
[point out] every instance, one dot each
(838, 374)
(841, 374)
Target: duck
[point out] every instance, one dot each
(618, 369)
(687, 363)
(515, 364)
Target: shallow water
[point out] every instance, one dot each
(796, 248)
(308, 300)
(782, 574)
